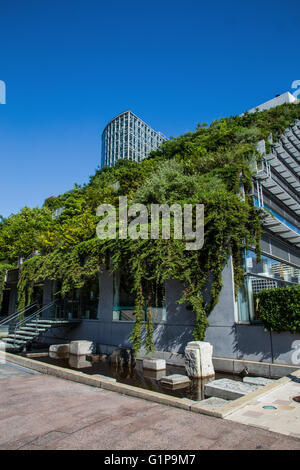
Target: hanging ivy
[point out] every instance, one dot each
(208, 166)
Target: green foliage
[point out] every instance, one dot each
(73, 267)
(206, 166)
(280, 309)
(20, 234)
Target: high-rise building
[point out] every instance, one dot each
(128, 137)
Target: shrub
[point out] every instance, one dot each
(280, 309)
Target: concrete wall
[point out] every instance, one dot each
(229, 339)
(253, 343)
(170, 336)
(13, 300)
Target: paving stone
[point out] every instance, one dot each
(213, 401)
(228, 389)
(257, 380)
(62, 414)
(175, 379)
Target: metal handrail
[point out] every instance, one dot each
(33, 315)
(17, 314)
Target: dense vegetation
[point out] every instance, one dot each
(207, 166)
(279, 309)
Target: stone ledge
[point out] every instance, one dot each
(262, 369)
(228, 389)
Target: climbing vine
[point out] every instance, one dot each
(211, 166)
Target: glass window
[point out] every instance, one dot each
(79, 303)
(267, 274)
(124, 301)
(271, 268)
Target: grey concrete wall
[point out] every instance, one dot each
(170, 336)
(47, 292)
(253, 343)
(13, 300)
(229, 339)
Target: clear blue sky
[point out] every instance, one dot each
(71, 65)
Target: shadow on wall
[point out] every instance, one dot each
(173, 338)
(253, 343)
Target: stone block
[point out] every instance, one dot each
(59, 351)
(198, 359)
(174, 380)
(192, 362)
(81, 348)
(78, 362)
(54, 355)
(257, 380)
(153, 374)
(154, 364)
(228, 389)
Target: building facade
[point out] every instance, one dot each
(105, 311)
(128, 137)
(276, 191)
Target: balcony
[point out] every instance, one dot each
(281, 169)
(279, 228)
(266, 180)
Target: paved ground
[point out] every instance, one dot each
(43, 412)
(285, 418)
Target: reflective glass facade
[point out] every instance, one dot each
(128, 137)
(276, 191)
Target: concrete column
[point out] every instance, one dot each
(198, 359)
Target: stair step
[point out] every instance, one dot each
(25, 332)
(10, 347)
(12, 340)
(39, 327)
(33, 328)
(26, 338)
(48, 322)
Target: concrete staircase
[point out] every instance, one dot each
(24, 335)
(24, 327)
